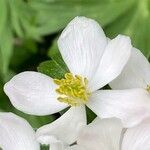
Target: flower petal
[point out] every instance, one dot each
(82, 44)
(16, 133)
(137, 138)
(65, 128)
(57, 146)
(136, 73)
(53, 143)
(113, 61)
(101, 135)
(33, 93)
(131, 106)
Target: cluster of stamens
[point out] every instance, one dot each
(73, 89)
(148, 88)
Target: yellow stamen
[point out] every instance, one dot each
(148, 88)
(73, 89)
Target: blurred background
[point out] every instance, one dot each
(29, 30)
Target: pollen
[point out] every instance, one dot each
(73, 90)
(148, 88)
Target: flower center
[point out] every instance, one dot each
(148, 88)
(73, 90)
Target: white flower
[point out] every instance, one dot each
(136, 77)
(108, 134)
(93, 63)
(16, 133)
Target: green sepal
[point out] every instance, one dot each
(52, 69)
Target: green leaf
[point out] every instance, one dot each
(15, 18)
(90, 115)
(52, 69)
(54, 15)
(3, 15)
(36, 121)
(6, 47)
(58, 59)
(44, 147)
(135, 23)
(5, 104)
(22, 19)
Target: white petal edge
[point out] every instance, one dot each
(52, 142)
(132, 106)
(76, 147)
(57, 146)
(102, 134)
(81, 45)
(16, 133)
(33, 93)
(65, 128)
(136, 73)
(137, 138)
(114, 59)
